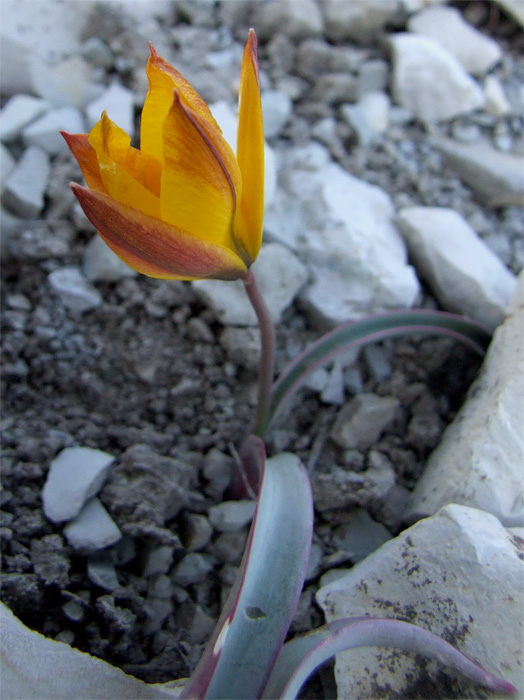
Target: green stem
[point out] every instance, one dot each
(267, 352)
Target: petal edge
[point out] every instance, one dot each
(153, 247)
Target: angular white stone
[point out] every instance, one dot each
(280, 276)
(45, 131)
(496, 101)
(7, 163)
(101, 264)
(369, 117)
(16, 61)
(463, 273)
(35, 667)
(117, 101)
(276, 108)
(496, 178)
(69, 83)
(18, 112)
(46, 30)
(74, 290)
(479, 461)
(429, 81)
(362, 420)
(342, 228)
(231, 515)
(360, 21)
(26, 185)
(441, 574)
(92, 529)
(475, 51)
(301, 20)
(75, 475)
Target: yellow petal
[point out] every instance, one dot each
(86, 158)
(109, 139)
(249, 216)
(163, 79)
(153, 247)
(128, 176)
(200, 176)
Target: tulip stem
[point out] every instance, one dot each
(267, 352)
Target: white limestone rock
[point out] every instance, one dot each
(35, 667)
(17, 113)
(463, 273)
(362, 420)
(193, 568)
(26, 184)
(74, 290)
(359, 20)
(429, 81)
(16, 66)
(7, 163)
(75, 475)
(276, 108)
(497, 178)
(476, 52)
(301, 20)
(102, 573)
(342, 229)
(45, 131)
(479, 460)
(117, 101)
(440, 574)
(92, 529)
(231, 515)
(497, 103)
(280, 276)
(369, 117)
(45, 29)
(101, 264)
(157, 560)
(70, 83)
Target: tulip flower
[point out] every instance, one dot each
(183, 206)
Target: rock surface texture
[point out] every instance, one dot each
(445, 589)
(479, 461)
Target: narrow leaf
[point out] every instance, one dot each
(303, 655)
(255, 620)
(370, 330)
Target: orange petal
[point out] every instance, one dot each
(152, 246)
(200, 176)
(163, 79)
(86, 158)
(249, 217)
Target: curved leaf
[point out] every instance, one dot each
(255, 620)
(370, 330)
(302, 655)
